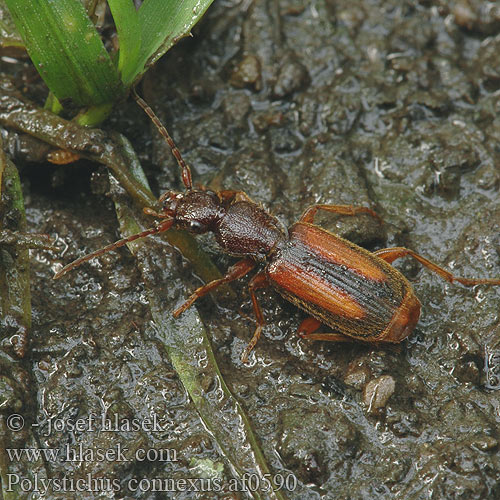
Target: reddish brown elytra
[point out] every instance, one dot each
(355, 292)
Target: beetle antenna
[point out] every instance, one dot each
(162, 226)
(186, 171)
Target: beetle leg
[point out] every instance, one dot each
(231, 195)
(391, 254)
(235, 272)
(308, 215)
(310, 325)
(258, 281)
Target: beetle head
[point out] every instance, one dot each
(195, 211)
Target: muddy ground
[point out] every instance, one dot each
(388, 104)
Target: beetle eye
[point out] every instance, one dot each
(195, 226)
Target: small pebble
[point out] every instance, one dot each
(247, 74)
(377, 392)
(485, 443)
(357, 376)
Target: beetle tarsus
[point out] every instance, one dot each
(391, 254)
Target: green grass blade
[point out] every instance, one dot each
(163, 23)
(66, 50)
(15, 295)
(129, 33)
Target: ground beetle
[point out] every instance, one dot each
(355, 292)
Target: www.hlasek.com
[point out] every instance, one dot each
(80, 453)
(88, 484)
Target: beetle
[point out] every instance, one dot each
(357, 293)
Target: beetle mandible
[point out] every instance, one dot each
(357, 293)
